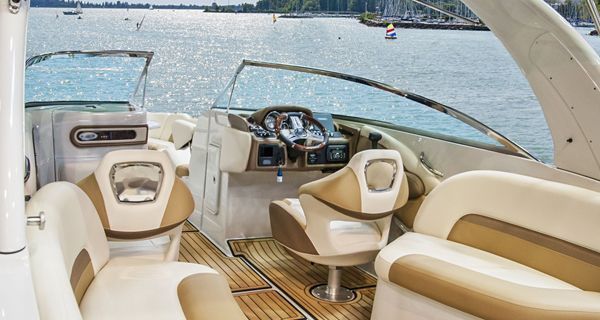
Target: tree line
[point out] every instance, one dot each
(109, 5)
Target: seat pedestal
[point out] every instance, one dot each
(333, 290)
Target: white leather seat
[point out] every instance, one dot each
(358, 235)
(495, 245)
(158, 222)
(178, 157)
(173, 136)
(344, 218)
(74, 278)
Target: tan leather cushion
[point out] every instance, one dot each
(481, 283)
(207, 297)
(287, 229)
(568, 262)
(180, 206)
(82, 274)
(562, 211)
(341, 190)
(182, 170)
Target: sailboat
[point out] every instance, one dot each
(274, 18)
(77, 11)
(390, 33)
(138, 25)
(127, 17)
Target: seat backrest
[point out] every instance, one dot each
(68, 252)
(183, 131)
(371, 186)
(137, 194)
(549, 226)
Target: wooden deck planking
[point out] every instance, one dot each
(267, 305)
(296, 277)
(196, 248)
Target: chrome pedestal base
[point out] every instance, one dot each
(333, 290)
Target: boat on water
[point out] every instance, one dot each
(390, 32)
(295, 204)
(75, 12)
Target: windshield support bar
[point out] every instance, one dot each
(147, 55)
(463, 117)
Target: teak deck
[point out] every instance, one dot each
(293, 277)
(267, 305)
(296, 277)
(196, 248)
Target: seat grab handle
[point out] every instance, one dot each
(429, 167)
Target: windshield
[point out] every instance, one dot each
(259, 84)
(107, 76)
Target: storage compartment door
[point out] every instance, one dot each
(213, 180)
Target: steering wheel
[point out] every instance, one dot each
(297, 132)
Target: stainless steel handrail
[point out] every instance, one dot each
(463, 117)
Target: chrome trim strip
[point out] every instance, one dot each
(463, 117)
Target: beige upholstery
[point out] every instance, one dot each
(182, 133)
(115, 292)
(178, 157)
(173, 134)
(521, 248)
(165, 122)
(119, 288)
(136, 221)
(344, 218)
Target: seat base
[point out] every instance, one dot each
(393, 302)
(340, 294)
(333, 290)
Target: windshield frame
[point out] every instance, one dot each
(511, 146)
(142, 79)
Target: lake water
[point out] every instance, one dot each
(197, 53)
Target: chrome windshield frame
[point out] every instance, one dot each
(463, 117)
(142, 79)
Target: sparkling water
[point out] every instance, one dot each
(197, 53)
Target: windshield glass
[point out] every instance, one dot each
(351, 96)
(86, 77)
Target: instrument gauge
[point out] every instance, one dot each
(270, 120)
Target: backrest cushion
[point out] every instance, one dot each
(167, 126)
(183, 131)
(373, 183)
(69, 252)
(549, 226)
(171, 205)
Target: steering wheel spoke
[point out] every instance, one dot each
(295, 133)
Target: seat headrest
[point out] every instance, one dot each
(137, 194)
(370, 183)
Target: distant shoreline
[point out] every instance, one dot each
(168, 7)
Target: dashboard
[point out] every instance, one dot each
(268, 151)
(267, 127)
